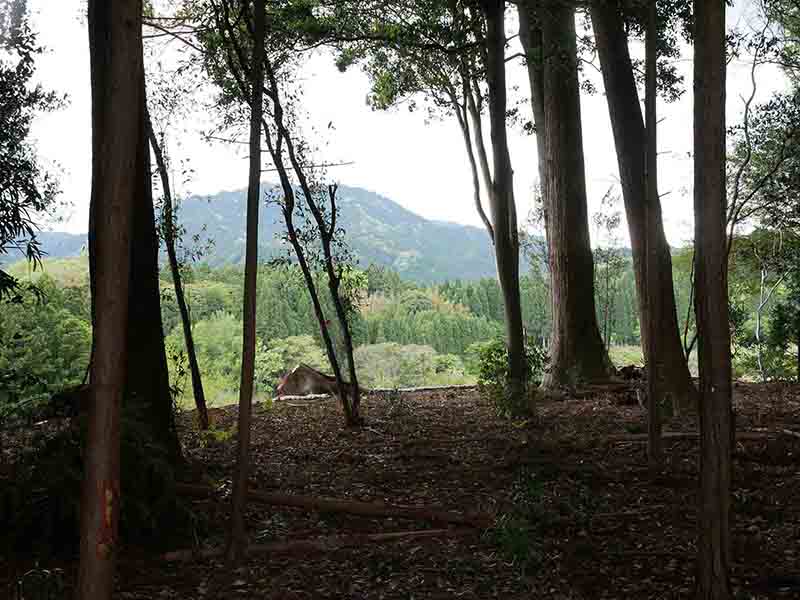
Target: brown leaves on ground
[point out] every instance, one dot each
(600, 524)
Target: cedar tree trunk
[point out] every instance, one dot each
(577, 350)
(654, 302)
(711, 303)
(147, 386)
(629, 138)
(115, 46)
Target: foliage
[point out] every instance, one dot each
(390, 365)
(609, 262)
(26, 189)
(44, 346)
(516, 534)
(489, 361)
(284, 354)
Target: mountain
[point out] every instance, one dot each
(378, 231)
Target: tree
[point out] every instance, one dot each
(453, 55)
(225, 61)
(577, 350)
(501, 198)
(236, 540)
(654, 300)
(26, 189)
(610, 23)
(711, 303)
(168, 227)
(117, 116)
(771, 257)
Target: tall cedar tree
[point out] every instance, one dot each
(236, 541)
(117, 73)
(630, 140)
(501, 198)
(711, 303)
(577, 350)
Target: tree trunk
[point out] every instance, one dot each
(577, 350)
(654, 302)
(116, 65)
(236, 540)
(711, 303)
(629, 137)
(501, 196)
(147, 385)
(169, 242)
(530, 35)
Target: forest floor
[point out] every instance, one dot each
(576, 512)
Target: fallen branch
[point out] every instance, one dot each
(322, 544)
(354, 507)
(691, 435)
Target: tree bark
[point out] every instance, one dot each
(169, 242)
(236, 540)
(577, 350)
(501, 198)
(115, 45)
(147, 386)
(530, 35)
(711, 303)
(629, 138)
(654, 301)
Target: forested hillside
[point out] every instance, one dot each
(379, 231)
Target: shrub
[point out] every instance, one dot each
(489, 361)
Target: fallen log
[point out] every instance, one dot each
(321, 544)
(354, 507)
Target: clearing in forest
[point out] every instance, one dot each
(575, 511)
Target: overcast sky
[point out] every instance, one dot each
(421, 165)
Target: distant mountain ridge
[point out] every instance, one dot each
(378, 230)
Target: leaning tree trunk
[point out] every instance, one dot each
(115, 46)
(577, 350)
(169, 241)
(711, 303)
(236, 540)
(629, 138)
(503, 208)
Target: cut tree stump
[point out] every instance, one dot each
(353, 507)
(321, 544)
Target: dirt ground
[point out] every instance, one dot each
(572, 485)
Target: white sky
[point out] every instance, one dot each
(420, 165)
